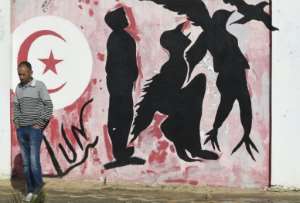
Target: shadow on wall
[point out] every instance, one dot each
(17, 179)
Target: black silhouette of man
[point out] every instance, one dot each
(122, 72)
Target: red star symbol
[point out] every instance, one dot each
(50, 63)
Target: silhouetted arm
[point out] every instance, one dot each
(197, 52)
(132, 62)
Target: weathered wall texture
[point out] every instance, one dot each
(285, 95)
(5, 79)
(66, 42)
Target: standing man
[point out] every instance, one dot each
(32, 111)
(122, 72)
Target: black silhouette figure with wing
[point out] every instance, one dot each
(183, 106)
(228, 60)
(252, 12)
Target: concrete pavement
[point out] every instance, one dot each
(76, 191)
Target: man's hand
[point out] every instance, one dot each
(36, 126)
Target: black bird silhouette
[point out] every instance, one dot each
(228, 61)
(183, 106)
(252, 12)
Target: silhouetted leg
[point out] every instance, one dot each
(182, 126)
(245, 111)
(173, 132)
(119, 121)
(126, 118)
(246, 120)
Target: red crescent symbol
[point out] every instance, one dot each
(25, 46)
(56, 89)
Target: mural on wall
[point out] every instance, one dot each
(252, 12)
(151, 91)
(122, 72)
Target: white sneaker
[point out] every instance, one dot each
(29, 197)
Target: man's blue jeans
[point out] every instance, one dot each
(30, 140)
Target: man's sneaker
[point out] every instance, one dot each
(29, 197)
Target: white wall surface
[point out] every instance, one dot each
(5, 55)
(286, 94)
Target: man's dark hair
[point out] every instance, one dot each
(25, 63)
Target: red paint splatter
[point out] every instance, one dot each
(96, 3)
(163, 145)
(107, 143)
(54, 130)
(187, 24)
(236, 169)
(161, 155)
(132, 28)
(70, 136)
(87, 1)
(14, 139)
(187, 171)
(94, 81)
(151, 172)
(158, 119)
(172, 148)
(91, 12)
(95, 156)
(100, 56)
(83, 167)
(193, 182)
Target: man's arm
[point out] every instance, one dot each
(17, 111)
(48, 107)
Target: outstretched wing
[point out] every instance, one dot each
(195, 10)
(146, 107)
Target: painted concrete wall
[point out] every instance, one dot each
(286, 95)
(5, 53)
(72, 37)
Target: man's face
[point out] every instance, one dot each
(25, 74)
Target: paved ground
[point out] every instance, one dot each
(70, 191)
